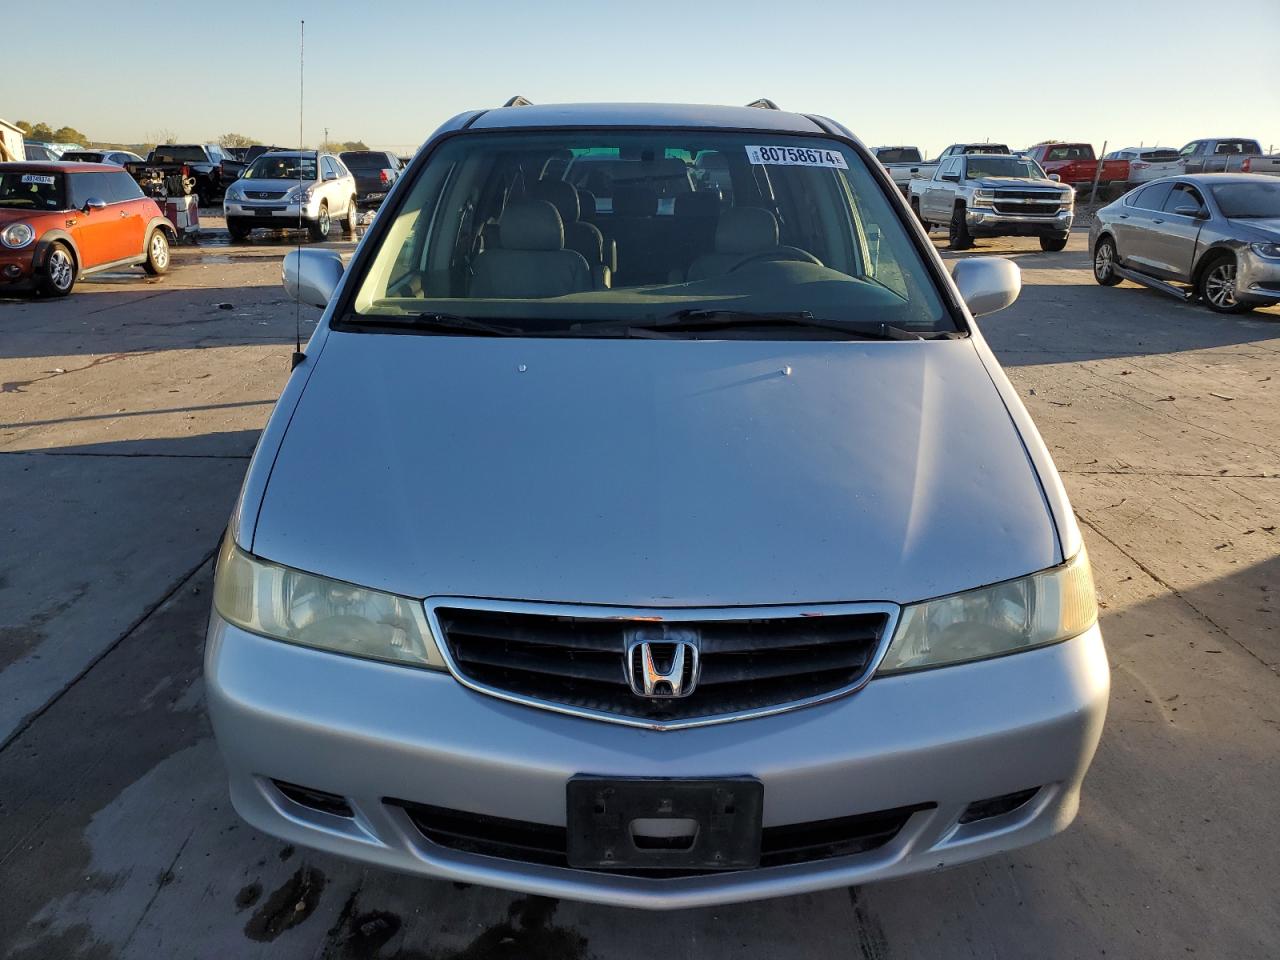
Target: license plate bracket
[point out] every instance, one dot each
(605, 813)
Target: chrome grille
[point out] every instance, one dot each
(575, 659)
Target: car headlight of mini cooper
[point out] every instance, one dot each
(1269, 250)
(312, 611)
(1032, 611)
(17, 235)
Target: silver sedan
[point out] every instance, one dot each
(1213, 237)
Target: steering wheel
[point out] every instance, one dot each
(777, 253)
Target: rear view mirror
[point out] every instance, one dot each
(987, 284)
(311, 275)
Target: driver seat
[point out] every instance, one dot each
(741, 231)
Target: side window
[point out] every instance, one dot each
(1153, 197)
(82, 186)
(124, 187)
(1183, 195)
(1058, 153)
(951, 166)
(1189, 149)
(326, 165)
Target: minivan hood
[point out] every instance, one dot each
(654, 473)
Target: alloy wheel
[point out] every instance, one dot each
(159, 250)
(1220, 285)
(60, 269)
(1102, 261)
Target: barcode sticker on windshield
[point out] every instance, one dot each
(37, 178)
(797, 157)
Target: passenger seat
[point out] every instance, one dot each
(585, 238)
(532, 261)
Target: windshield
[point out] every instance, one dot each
(24, 190)
(898, 155)
(1248, 200)
(1019, 167)
(543, 232)
(179, 154)
(273, 166)
(367, 161)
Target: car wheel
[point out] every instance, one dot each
(1104, 263)
(353, 218)
(319, 227)
(157, 261)
(59, 272)
(239, 232)
(1217, 286)
(958, 236)
(1053, 244)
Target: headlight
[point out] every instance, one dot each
(1068, 198)
(984, 194)
(1031, 611)
(1269, 250)
(17, 235)
(302, 608)
(302, 194)
(233, 193)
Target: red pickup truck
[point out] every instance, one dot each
(1076, 164)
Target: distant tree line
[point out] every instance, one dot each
(44, 132)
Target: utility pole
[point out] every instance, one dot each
(326, 139)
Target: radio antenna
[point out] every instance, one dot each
(298, 355)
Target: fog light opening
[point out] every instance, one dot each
(330, 803)
(12, 271)
(997, 806)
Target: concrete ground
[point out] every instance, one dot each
(127, 415)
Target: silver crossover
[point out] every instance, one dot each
(640, 537)
(1215, 237)
(288, 189)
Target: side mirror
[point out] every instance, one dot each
(312, 275)
(953, 177)
(986, 284)
(1055, 178)
(94, 203)
(331, 176)
(1191, 210)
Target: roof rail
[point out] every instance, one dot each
(763, 104)
(518, 101)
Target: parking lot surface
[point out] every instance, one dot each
(127, 415)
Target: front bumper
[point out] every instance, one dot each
(987, 222)
(266, 211)
(17, 267)
(370, 731)
(1257, 278)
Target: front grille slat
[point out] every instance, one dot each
(747, 664)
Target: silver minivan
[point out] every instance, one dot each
(658, 540)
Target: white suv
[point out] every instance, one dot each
(291, 189)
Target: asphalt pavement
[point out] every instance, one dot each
(127, 415)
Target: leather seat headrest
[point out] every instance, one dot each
(745, 230)
(586, 205)
(635, 200)
(559, 194)
(531, 225)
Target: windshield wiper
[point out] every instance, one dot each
(434, 323)
(698, 320)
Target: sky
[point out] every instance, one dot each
(920, 72)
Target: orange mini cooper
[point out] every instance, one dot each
(63, 221)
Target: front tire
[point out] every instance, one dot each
(1053, 244)
(319, 227)
(1217, 286)
(239, 232)
(59, 272)
(157, 261)
(1104, 263)
(958, 235)
(915, 208)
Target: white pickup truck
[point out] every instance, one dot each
(904, 165)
